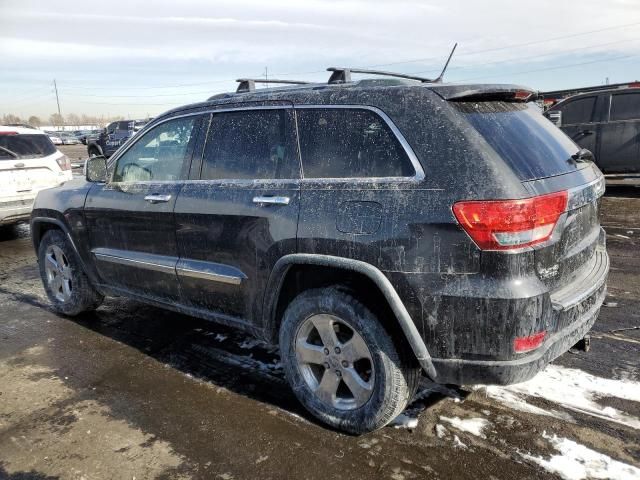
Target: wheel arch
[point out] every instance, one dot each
(41, 225)
(272, 307)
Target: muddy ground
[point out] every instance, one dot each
(132, 391)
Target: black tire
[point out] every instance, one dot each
(395, 374)
(83, 297)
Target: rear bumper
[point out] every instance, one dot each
(503, 372)
(15, 211)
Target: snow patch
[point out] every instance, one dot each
(574, 390)
(458, 444)
(474, 426)
(441, 432)
(577, 462)
(404, 421)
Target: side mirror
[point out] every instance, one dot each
(556, 117)
(95, 169)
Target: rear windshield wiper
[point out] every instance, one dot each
(10, 152)
(581, 156)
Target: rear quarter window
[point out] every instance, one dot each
(527, 141)
(25, 146)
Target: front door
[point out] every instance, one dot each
(241, 216)
(130, 219)
(620, 136)
(578, 121)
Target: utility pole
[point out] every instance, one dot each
(57, 99)
(266, 75)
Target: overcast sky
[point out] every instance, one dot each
(137, 58)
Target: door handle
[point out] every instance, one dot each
(586, 132)
(155, 198)
(267, 200)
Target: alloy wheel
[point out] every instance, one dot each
(58, 272)
(335, 362)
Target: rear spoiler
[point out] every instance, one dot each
(485, 93)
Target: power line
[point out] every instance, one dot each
(558, 67)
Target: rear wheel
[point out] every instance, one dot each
(65, 283)
(341, 362)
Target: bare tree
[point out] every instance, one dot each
(56, 120)
(34, 121)
(73, 120)
(11, 118)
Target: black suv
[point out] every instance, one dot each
(606, 122)
(375, 229)
(107, 141)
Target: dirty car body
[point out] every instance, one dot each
(456, 213)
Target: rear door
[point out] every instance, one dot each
(130, 220)
(620, 136)
(241, 215)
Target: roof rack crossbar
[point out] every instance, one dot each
(249, 84)
(343, 75)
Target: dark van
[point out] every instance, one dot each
(605, 122)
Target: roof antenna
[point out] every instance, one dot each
(439, 79)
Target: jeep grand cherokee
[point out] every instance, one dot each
(376, 229)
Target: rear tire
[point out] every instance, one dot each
(342, 364)
(65, 283)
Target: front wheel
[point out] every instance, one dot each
(65, 283)
(342, 364)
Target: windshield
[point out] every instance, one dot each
(527, 141)
(25, 146)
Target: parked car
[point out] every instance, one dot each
(68, 138)
(112, 137)
(29, 162)
(84, 135)
(376, 230)
(54, 137)
(607, 123)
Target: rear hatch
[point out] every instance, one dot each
(27, 164)
(546, 161)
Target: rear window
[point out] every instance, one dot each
(25, 146)
(528, 142)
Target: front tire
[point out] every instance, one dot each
(65, 283)
(342, 364)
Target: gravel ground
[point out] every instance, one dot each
(132, 391)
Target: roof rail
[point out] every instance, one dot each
(249, 84)
(343, 75)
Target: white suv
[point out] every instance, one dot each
(29, 162)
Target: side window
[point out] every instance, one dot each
(251, 144)
(111, 128)
(625, 106)
(349, 143)
(578, 111)
(123, 126)
(158, 155)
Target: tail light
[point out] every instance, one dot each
(510, 224)
(8, 133)
(526, 344)
(64, 163)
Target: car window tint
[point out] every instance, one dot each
(578, 111)
(254, 144)
(159, 154)
(349, 143)
(527, 142)
(625, 106)
(25, 146)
